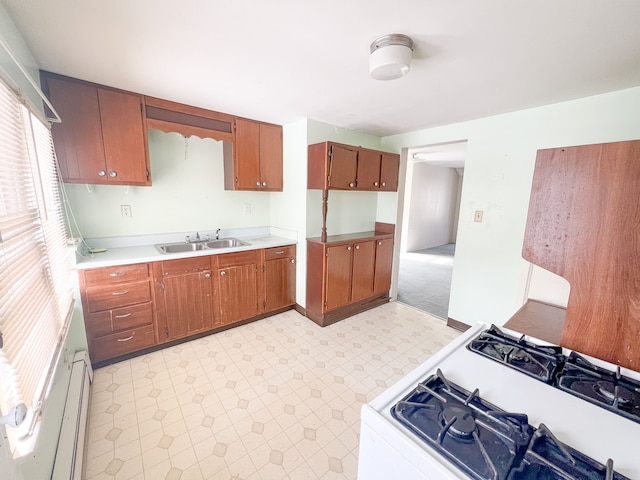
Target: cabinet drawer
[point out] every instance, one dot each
(238, 258)
(118, 344)
(110, 321)
(119, 274)
(280, 252)
(186, 265)
(99, 299)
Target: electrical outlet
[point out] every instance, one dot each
(246, 209)
(126, 211)
(478, 216)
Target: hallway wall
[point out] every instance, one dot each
(432, 211)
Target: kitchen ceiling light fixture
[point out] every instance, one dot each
(390, 56)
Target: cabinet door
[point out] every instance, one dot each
(364, 256)
(279, 283)
(384, 258)
(188, 303)
(78, 139)
(238, 293)
(389, 169)
(338, 279)
(343, 165)
(271, 157)
(246, 166)
(368, 169)
(124, 138)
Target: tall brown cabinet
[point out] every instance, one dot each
(349, 273)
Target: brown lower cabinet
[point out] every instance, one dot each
(347, 274)
(183, 297)
(118, 310)
(130, 308)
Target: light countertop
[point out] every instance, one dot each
(119, 253)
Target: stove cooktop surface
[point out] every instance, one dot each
(582, 426)
(488, 443)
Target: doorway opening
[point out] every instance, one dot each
(432, 195)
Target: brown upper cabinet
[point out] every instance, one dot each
(102, 138)
(254, 160)
(334, 166)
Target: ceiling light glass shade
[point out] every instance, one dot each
(390, 57)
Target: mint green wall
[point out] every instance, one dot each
(39, 464)
(10, 71)
(187, 194)
(489, 274)
(289, 207)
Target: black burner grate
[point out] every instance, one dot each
(538, 361)
(487, 443)
(600, 386)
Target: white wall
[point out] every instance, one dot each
(489, 275)
(433, 206)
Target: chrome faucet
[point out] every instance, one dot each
(197, 236)
(218, 234)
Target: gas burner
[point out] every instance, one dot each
(548, 458)
(538, 361)
(459, 421)
(475, 435)
(613, 393)
(597, 385)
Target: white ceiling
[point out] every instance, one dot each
(282, 60)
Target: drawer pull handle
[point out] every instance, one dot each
(126, 339)
(117, 274)
(279, 252)
(123, 316)
(123, 292)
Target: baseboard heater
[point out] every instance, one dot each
(69, 462)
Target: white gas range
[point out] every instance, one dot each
(389, 449)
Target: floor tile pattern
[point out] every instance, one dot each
(275, 399)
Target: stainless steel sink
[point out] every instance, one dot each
(226, 243)
(181, 247)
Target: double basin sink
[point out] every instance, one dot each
(180, 247)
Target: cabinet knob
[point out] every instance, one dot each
(375, 184)
(352, 184)
(207, 275)
(293, 260)
(349, 247)
(357, 247)
(264, 184)
(384, 184)
(101, 173)
(223, 272)
(379, 243)
(257, 184)
(113, 174)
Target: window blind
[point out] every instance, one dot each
(35, 294)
